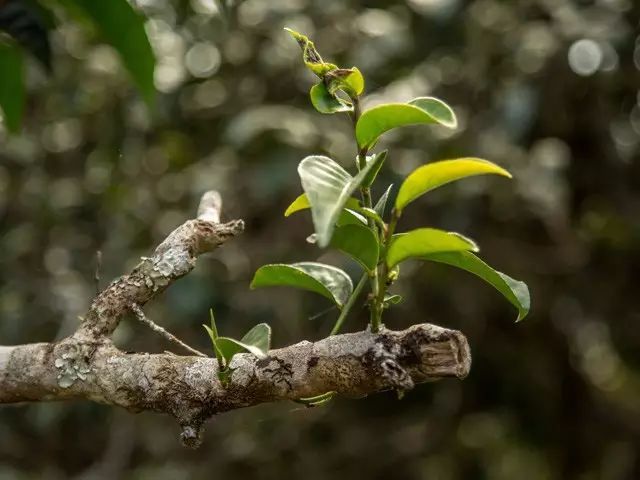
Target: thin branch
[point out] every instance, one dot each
(353, 365)
(88, 366)
(135, 308)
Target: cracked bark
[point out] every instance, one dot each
(87, 365)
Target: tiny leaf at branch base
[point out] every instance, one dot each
(434, 175)
(326, 280)
(513, 290)
(424, 241)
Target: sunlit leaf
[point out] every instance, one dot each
(349, 80)
(424, 241)
(324, 102)
(310, 55)
(12, 95)
(359, 242)
(326, 280)
(378, 120)
(377, 161)
(328, 187)
(434, 175)
(123, 27)
(513, 290)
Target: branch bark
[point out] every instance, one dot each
(87, 365)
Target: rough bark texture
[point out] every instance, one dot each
(87, 365)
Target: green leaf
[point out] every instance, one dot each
(349, 80)
(328, 187)
(12, 94)
(123, 27)
(513, 290)
(326, 280)
(391, 299)
(213, 334)
(434, 175)
(378, 120)
(373, 215)
(359, 242)
(424, 241)
(256, 341)
(302, 203)
(381, 204)
(377, 160)
(324, 102)
(310, 55)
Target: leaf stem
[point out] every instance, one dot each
(349, 305)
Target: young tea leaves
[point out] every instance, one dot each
(349, 80)
(256, 341)
(434, 175)
(326, 280)
(381, 204)
(377, 160)
(310, 55)
(325, 102)
(359, 242)
(378, 120)
(328, 187)
(513, 290)
(424, 241)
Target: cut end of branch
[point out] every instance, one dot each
(210, 207)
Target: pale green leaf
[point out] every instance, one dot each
(328, 187)
(424, 241)
(378, 120)
(302, 203)
(433, 175)
(513, 290)
(326, 280)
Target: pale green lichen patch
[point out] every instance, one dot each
(71, 367)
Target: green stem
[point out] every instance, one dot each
(365, 192)
(349, 305)
(378, 300)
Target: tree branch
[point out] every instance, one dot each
(88, 366)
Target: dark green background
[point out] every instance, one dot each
(555, 397)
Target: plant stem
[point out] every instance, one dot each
(378, 301)
(365, 192)
(349, 305)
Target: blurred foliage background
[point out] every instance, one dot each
(550, 89)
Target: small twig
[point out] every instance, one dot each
(96, 276)
(135, 308)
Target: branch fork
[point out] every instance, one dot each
(87, 365)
